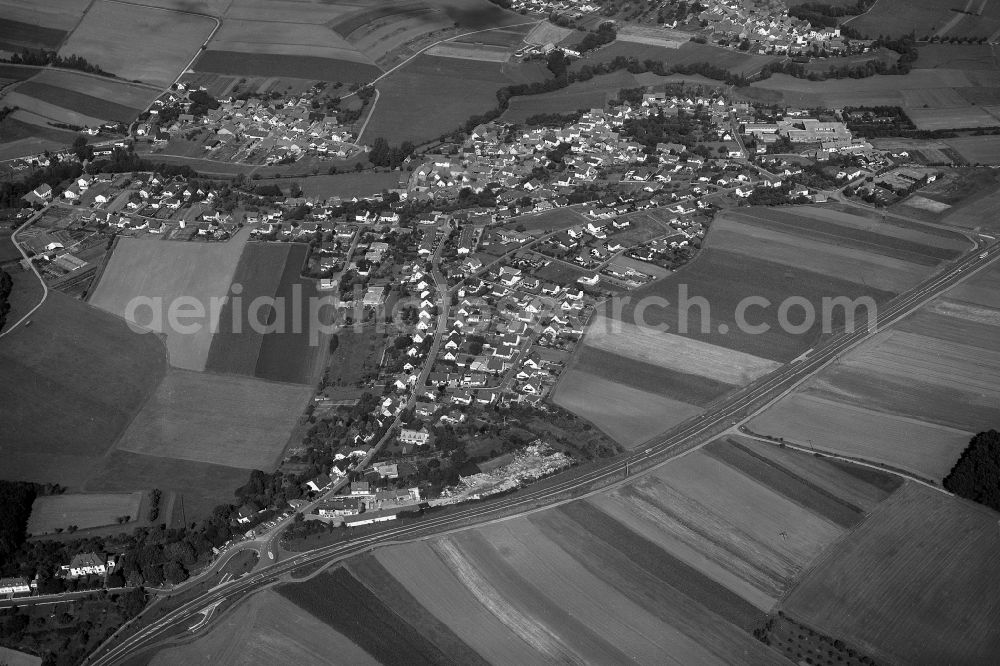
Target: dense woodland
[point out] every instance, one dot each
(976, 475)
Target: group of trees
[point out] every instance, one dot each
(976, 475)
(16, 497)
(384, 155)
(6, 286)
(43, 58)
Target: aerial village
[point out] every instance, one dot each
(487, 261)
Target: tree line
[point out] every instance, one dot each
(43, 58)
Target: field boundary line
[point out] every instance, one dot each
(421, 51)
(34, 269)
(823, 453)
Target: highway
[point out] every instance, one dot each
(727, 412)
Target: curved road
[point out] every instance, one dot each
(687, 436)
(45, 287)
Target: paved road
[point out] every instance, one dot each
(691, 434)
(45, 287)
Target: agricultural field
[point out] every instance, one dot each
(928, 18)
(34, 111)
(629, 415)
(585, 95)
(79, 103)
(807, 252)
(464, 51)
(62, 16)
(872, 91)
(686, 560)
(249, 420)
(199, 486)
(675, 352)
(52, 512)
(689, 52)
(433, 96)
(977, 149)
(136, 42)
(164, 271)
(252, 340)
(17, 36)
(547, 33)
(238, 63)
(341, 184)
(266, 629)
(22, 135)
(102, 372)
(911, 397)
(964, 117)
(955, 56)
(918, 577)
(514, 37)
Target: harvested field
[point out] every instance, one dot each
(919, 577)
(203, 486)
(230, 421)
(786, 482)
(138, 43)
(643, 571)
(238, 63)
(628, 415)
(556, 219)
(859, 266)
(130, 95)
(545, 32)
(664, 37)
(437, 588)
(724, 279)
(675, 352)
(872, 91)
(850, 231)
(586, 95)
(102, 372)
(58, 16)
(926, 18)
(921, 448)
(298, 31)
(18, 36)
(547, 583)
(977, 149)
(533, 617)
(687, 53)
(39, 112)
(513, 37)
(343, 603)
(167, 272)
(482, 52)
(264, 629)
(738, 532)
(236, 346)
(53, 512)
(433, 96)
(952, 118)
(955, 56)
(649, 377)
(370, 572)
(294, 353)
(89, 105)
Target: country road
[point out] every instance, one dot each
(734, 409)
